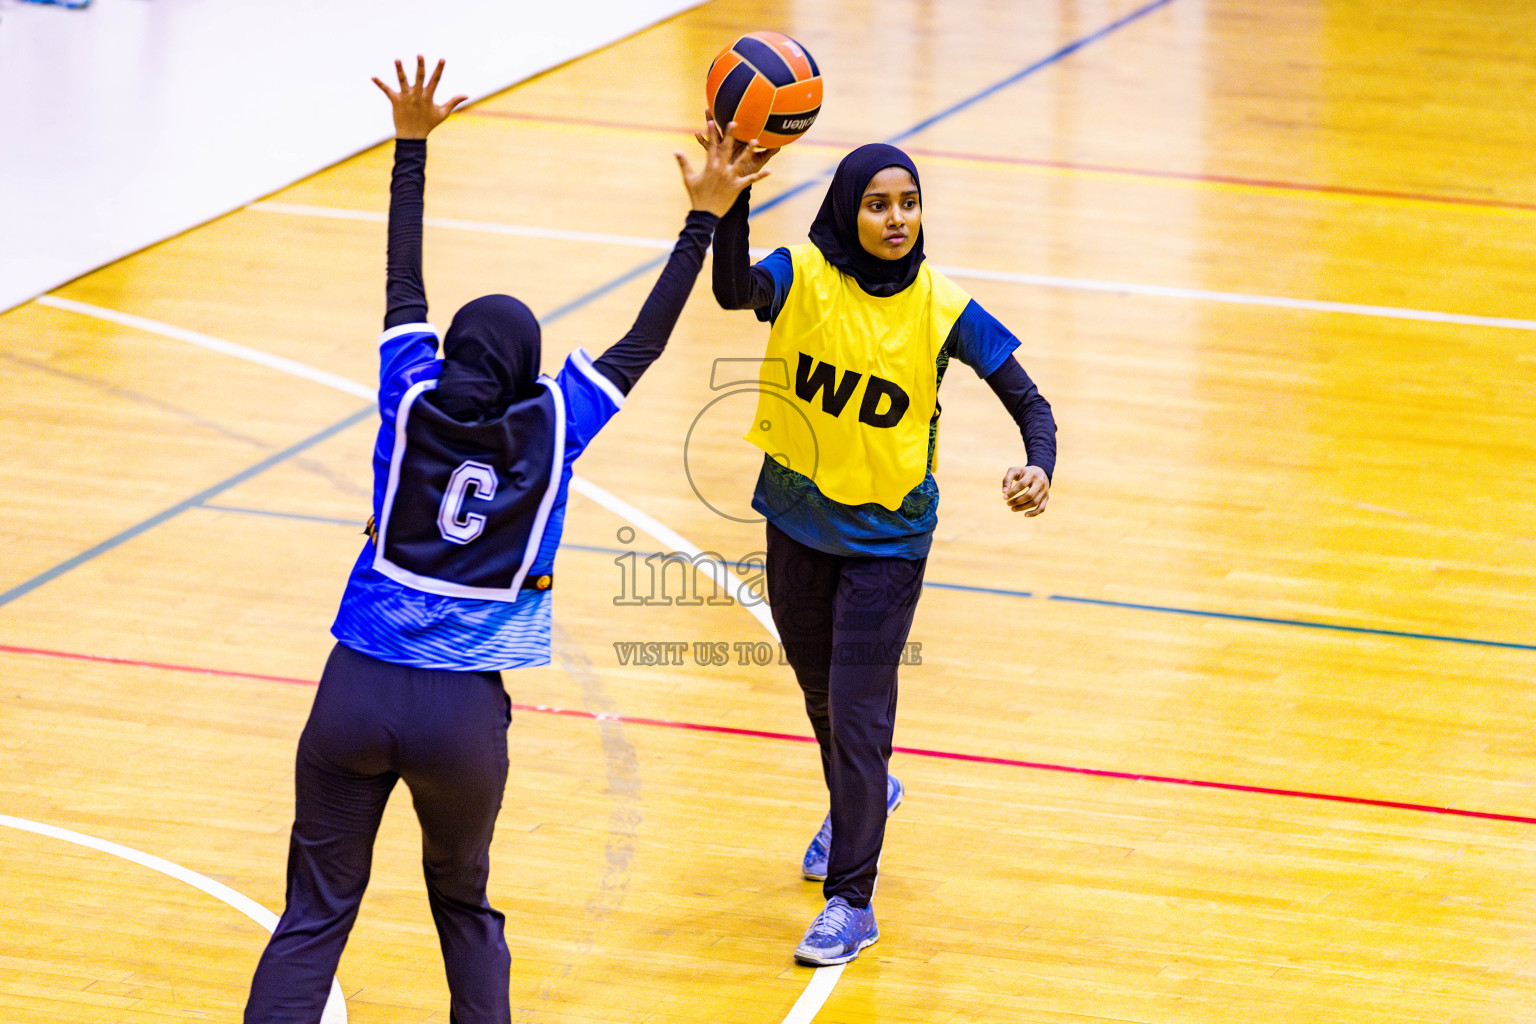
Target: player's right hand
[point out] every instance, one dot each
(729, 167)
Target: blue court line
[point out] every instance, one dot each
(1045, 62)
(1003, 592)
(180, 507)
(328, 520)
(604, 289)
(929, 122)
(977, 590)
(974, 98)
(1399, 634)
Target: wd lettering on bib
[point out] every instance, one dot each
(845, 343)
(811, 377)
(879, 388)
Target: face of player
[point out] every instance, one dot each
(890, 214)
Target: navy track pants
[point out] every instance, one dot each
(372, 723)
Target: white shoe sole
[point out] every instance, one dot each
(812, 960)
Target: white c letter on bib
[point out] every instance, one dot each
(453, 523)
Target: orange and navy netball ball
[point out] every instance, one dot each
(768, 84)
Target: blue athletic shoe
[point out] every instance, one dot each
(838, 934)
(814, 865)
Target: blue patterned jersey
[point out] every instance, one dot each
(465, 514)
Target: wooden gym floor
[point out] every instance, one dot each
(1239, 728)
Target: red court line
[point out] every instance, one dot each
(73, 656)
(1132, 172)
(948, 755)
(1231, 787)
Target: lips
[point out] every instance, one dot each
(895, 239)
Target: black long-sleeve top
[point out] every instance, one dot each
(405, 293)
(625, 360)
(740, 285)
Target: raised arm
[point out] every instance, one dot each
(737, 283)
(729, 167)
(415, 116)
(405, 293)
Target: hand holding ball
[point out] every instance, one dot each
(768, 84)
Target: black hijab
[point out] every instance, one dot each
(490, 359)
(835, 231)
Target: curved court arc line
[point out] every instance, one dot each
(823, 978)
(675, 542)
(335, 1005)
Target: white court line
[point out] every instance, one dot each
(488, 227)
(671, 540)
(1238, 298)
(815, 994)
(228, 348)
(970, 273)
(823, 978)
(335, 1005)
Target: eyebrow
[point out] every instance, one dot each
(882, 195)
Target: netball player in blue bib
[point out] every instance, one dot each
(471, 470)
(863, 331)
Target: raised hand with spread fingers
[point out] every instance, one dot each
(416, 113)
(730, 165)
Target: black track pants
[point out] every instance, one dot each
(843, 622)
(445, 734)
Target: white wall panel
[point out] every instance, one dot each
(131, 120)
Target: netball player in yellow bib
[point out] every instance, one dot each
(862, 332)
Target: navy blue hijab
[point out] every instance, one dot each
(835, 231)
(490, 359)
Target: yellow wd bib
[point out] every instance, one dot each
(849, 384)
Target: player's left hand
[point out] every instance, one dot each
(747, 155)
(1026, 489)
